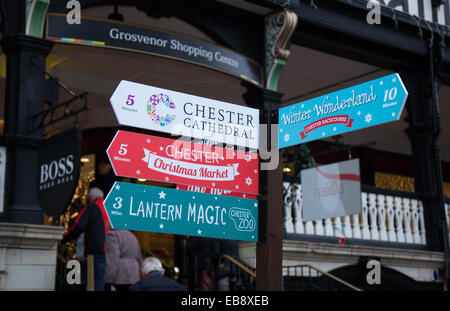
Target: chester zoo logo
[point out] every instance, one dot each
(161, 109)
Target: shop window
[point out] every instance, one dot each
(394, 182)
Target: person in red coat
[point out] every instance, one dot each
(93, 221)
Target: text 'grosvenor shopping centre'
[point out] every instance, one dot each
(173, 44)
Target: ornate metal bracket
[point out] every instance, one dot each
(279, 28)
(58, 112)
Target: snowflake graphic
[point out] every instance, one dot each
(368, 118)
(248, 157)
(286, 137)
(248, 181)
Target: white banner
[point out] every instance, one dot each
(190, 170)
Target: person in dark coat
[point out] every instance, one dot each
(104, 177)
(199, 250)
(154, 279)
(93, 221)
(123, 260)
(219, 248)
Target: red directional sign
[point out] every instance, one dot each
(175, 161)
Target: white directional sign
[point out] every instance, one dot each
(157, 109)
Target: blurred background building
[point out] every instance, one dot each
(300, 49)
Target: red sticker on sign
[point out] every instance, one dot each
(175, 161)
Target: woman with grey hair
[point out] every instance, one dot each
(154, 279)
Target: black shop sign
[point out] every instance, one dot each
(59, 170)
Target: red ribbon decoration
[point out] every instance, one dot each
(342, 119)
(351, 177)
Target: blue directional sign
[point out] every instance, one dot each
(155, 209)
(354, 108)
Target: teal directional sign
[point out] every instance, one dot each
(155, 209)
(354, 108)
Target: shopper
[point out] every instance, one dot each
(123, 260)
(222, 247)
(200, 252)
(104, 177)
(154, 279)
(93, 221)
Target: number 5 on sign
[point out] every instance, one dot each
(130, 100)
(123, 149)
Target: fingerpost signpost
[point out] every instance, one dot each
(186, 164)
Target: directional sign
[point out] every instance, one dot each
(157, 109)
(176, 161)
(364, 105)
(155, 209)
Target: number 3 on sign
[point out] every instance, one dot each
(118, 203)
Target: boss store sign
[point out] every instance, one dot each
(59, 170)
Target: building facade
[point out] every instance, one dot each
(261, 54)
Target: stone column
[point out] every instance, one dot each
(28, 256)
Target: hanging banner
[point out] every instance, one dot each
(176, 113)
(354, 108)
(124, 36)
(59, 170)
(331, 190)
(176, 161)
(164, 210)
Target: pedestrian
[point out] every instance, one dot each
(93, 221)
(222, 273)
(154, 279)
(104, 176)
(199, 250)
(123, 260)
